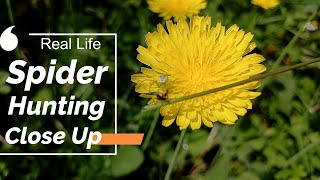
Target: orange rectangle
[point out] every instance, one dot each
(121, 139)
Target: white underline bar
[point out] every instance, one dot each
(72, 34)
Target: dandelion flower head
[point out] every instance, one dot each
(266, 4)
(187, 59)
(176, 8)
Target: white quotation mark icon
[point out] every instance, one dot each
(8, 41)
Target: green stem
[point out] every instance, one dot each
(10, 12)
(253, 78)
(173, 160)
(124, 98)
(285, 51)
(301, 153)
(253, 22)
(11, 19)
(151, 130)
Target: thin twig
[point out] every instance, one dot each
(173, 160)
(285, 51)
(10, 14)
(11, 19)
(300, 153)
(253, 78)
(151, 130)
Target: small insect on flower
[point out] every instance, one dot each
(163, 79)
(157, 88)
(162, 97)
(312, 26)
(159, 96)
(191, 58)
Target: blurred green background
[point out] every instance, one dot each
(278, 139)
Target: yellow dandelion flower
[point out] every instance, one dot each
(266, 4)
(176, 8)
(185, 60)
